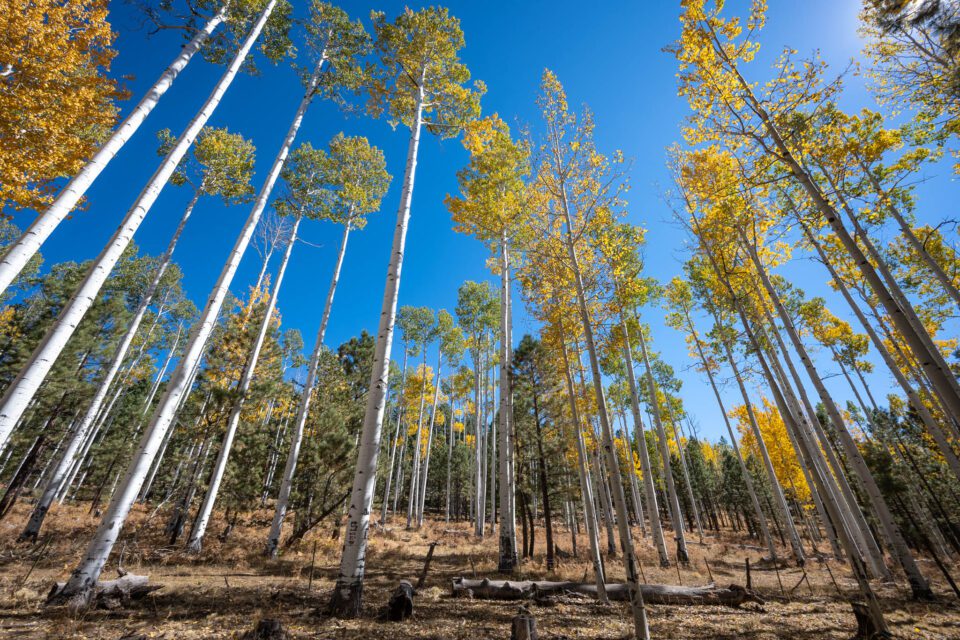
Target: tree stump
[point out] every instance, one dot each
(400, 606)
(523, 626)
(267, 629)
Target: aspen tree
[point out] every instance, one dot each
(421, 85)
(343, 185)
(31, 376)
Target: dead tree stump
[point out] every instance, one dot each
(400, 606)
(267, 629)
(523, 626)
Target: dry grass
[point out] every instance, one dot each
(223, 592)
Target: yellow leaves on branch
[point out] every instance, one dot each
(56, 101)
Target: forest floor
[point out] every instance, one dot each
(229, 587)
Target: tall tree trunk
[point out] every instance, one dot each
(414, 494)
(19, 253)
(626, 536)
(393, 443)
(303, 409)
(544, 486)
(220, 466)
(915, 401)
(422, 497)
(69, 458)
(674, 501)
(898, 546)
(347, 595)
(508, 527)
(84, 577)
(693, 500)
(772, 477)
(652, 507)
(586, 486)
(35, 370)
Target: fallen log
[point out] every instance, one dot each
(108, 594)
(732, 596)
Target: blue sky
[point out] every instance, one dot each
(608, 55)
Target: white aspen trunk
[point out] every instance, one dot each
(651, 492)
(779, 499)
(384, 506)
(195, 542)
(450, 435)
(35, 370)
(490, 487)
(790, 411)
(638, 609)
(693, 500)
(586, 484)
(413, 495)
(508, 523)
(898, 546)
(478, 508)
(69, 458)
(631, 471)
(603, 495)
(303, 409)
(818, 446)
(915, 401)
(674, 501)
(348, 593)
(422, 496)
(19, 253)
(85, 576)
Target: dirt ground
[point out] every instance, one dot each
(223, 592)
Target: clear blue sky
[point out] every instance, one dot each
(607, 54)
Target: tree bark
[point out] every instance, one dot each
(347, 595)
(243, 387)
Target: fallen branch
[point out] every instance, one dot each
(732, 596)
(108, 594)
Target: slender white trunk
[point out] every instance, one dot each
(31, 376)
(779, 498)
(85, 576)
(20, 252)
(394, 443)
(672, 497)
(32, 530)
(652, 508)
(303, 409)
(421, 499)
(508, 525)
(891, 532)
(637, 606)
(348, 593)
(586, 485)
(220, 466)
(478, 509)
(450, 436)
(414, 494)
